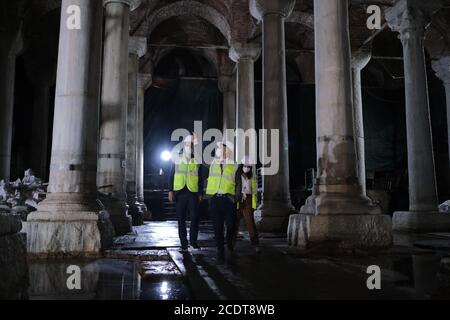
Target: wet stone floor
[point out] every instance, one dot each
(148, 265)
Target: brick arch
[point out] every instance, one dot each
(195, 8)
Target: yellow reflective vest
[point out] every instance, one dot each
(221, 182)
(186, 174)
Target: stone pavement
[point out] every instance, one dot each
(148, 265)
(276, 273)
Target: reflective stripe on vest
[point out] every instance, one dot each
(186, 174)
(221, 182)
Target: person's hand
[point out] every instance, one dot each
(171, 196)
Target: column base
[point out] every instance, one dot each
(340, 232)
(65, 224)
(421, 222)
(273, 217)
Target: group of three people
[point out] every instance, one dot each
(231, 189)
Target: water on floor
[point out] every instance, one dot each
(105, 279)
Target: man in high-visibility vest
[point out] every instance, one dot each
(185, 189)
(221, 187)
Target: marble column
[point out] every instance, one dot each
(410, 18)
(7, 70)
(337, 214)
(137, 48)
(144, 82)
(442, 69)
(245, 56)
(359, 61)
(114, 105)
(273, 213)
(67, 221)
(227, 86)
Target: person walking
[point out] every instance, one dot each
(247, 202)
(185, 189)
(221, 188)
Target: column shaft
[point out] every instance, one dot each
(410, 18)
(359, 62)
(144, 80)
(273, 214)
(131, 142)
(337, 215)
(7, 70)
(66, 222)
(421, 170)
(111, 162)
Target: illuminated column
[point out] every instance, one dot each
(337, 214)
(273, 214)
(410, 18)
(66, 221)
(111, 162)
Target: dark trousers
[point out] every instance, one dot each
(246, 213)
(187, 202)
(223, 210)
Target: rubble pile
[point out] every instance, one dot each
(22, 196)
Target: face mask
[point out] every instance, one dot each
(219, 153)
(246, 169)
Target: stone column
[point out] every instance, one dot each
(337, 213)
(245, 57)
(67, 221)
(111, 162)
(227, 86)
(144, 82)
(8, 52)
(137, 48)
(410, 18)
(273, 214)
(359, 61)
(442, 69)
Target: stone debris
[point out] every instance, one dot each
(143, 255)
(445, 207)
(22, 196)
(159, 270)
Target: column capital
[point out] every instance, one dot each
(410, 18)
(244, 51)
(144, 80)
(442, 69)
(360, 59)
(260, 8)
(133, 4)
(138, 46)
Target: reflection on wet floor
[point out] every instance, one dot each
(147, 265)
(104, 279)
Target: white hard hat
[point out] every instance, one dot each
(227, 144)
(191, 139)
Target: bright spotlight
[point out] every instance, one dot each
(166, 156)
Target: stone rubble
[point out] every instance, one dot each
(22, 196)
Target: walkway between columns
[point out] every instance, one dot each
(278, 273)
